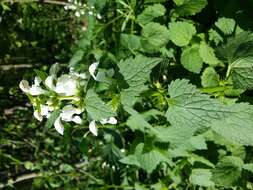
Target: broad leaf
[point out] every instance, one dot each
(248, 167)
(131, 42)
(191, 60)
(150, 13)
(226, 25)
(96, 108)
(154, 37)
(201, 177)
(190, 7)
(227, 171)
(136, 72)
(210, 78)
(207, 54)
(181, 33)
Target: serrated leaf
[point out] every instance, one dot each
(207, 54)
(226, 25)
(213, 35)
(191, 7)
(238, 129)
(209, 77)
(191, 60)
(130, 41)
(181, 33)
(227, 171)
(179, 2)
(154, 36)
(96, 108)
(201, 177)
(189, 108)
(241, 72)
(248, 167)
(151, 12)
(136, 72)
(147, 160)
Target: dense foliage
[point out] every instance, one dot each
(157, 95)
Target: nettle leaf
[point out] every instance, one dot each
(191, 60)
(53, 116)
(151, 12)
(207, 54)
(147, 160)
(237, 127)
(97, 108)
(181, 33)
(248, 167)
(227, 171)
(154, 36)
(179, 2)
(209, 77)
(136, 72)
(241, 72)
(226, 25)
(189, 108)
(130, 41)
(190, 7)
(201, 177)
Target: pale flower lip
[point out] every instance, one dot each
(93, 128)
(66, 85)
(59, 126)
(34, 90)
(92, 69)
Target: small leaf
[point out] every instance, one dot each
(191, 59)
(227, 171)
(96, 108)
(201, 177)
(181, 33)
(226, 25)
(207, 54)
(191, 7)
(151, 12)
(154, 37)
(248, 167)
(130, 41)
(210, 78)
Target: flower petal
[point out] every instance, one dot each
(59, 126)
(66, 85)
(93, 128)
(24, 86)
(77, 119)
(50, 82)
(68, 112)
(44, 110)
(36, 90)
(111, 120)
(37, 81)
(37, 115)
(92, 69)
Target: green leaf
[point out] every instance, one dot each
(207, 54)
(191, 7)
(248, 167)
(241, 72)
(238, 129)
(210, 78)
(151, 12)
(189, 108)
(227, 171)
(147, 160)
(96, 108)
(41, 74)
(181, 33)
(191, 60)
(214, 36)
(154, 36)
(76, 58)
(130, 41)
(53, 116)
(179, 2)
(136, 72)
(226, 25)
(201, 177)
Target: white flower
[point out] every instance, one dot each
(50, 82)
(93, 128)
(99, 16)
(34, 90)
(77, 13)
(92, 69)
(68, 115)
(44, 111)
(67, 85)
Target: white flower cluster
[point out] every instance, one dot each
(80, 8)
(47, 96)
